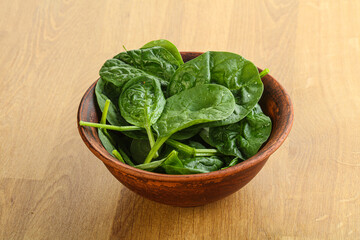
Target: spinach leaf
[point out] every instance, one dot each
(228, 69)
(196, 145)
(118, 73)
(204, 134)
(203, 103)
(156, 61)
(142, 102)
(108, 141)
(150, 166)
(229, 162)
(168, 46)
(207, 164)
(242, 139)
(139, 149)
(175, 165)
(185, 134)
(155, 164)
(106, 90)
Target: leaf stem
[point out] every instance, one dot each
(120, 155)
(105, 111)
(181, 147)
(159, 142)
(151, 139)
(110, 127)
(206, 152)
(194, 152)
(264, 72)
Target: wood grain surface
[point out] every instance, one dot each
(53, 187)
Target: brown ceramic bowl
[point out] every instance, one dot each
(198, 189)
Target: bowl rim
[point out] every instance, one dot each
(264, 153)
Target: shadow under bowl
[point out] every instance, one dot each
(197, 189)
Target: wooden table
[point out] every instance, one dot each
(53, 187)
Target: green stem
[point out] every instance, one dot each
(159, 142)
(205, 154)
(264, 72)
(110, 127)
(151, 139)
(105, 111)
(150, 136)
(118, 156)
(194, 152)
(181, 147)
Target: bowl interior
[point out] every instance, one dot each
(275, 103)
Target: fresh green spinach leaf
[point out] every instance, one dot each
(156, 61)
(242, 139)
(142, 102)
(155, 164)
(203, 103)
(168, 46)
(228, 69)
(175, 165)
(106, 90)
(139, 149)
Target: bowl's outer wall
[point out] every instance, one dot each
(191, 190)
(187, 194)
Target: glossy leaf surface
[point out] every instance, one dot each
(168, 46)
(156, 61)
(228, 69)
(203, 103)
(242, 139)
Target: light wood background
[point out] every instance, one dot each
(53, 187)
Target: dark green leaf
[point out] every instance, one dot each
(174, 165)
(204, 103)
(242, 139)
(168, 46)
(155, 164)
(142, 101)
(106, 142)
(118, 73)
(156, 61)
(139, 149)
(228, 69)
(106, 90)
(185, 134)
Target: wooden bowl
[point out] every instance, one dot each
(198, 189)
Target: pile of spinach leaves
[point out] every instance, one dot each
(172, 117)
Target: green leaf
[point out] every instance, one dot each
(155, 164)
(118, 73)
(106, 90)
(204, 103)
(156, 61)
(228, 69)
(139, 149)
(168, 46)
(142, 101)
(242, 139)
(150, 166)
(204, 134)
(194, 165)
